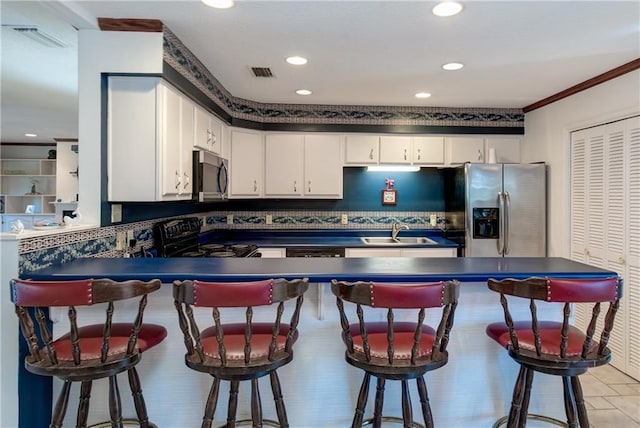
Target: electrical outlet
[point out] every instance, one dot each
(116, 213)
(229, 218)
(130, 236)
(121, 241)
(269, 219)
(344, 219)
(433, 219)
(204, 220)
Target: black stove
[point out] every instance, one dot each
(181, 238)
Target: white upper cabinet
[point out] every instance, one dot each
(150, 137)
(362, 149)
(246, 164)
(298, 165)
(208, 131)
(465, 149)
(322, 166)
(428, 151)
(507, 149)
(284, 154)
(395, 150)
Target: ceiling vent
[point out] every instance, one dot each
(34, 33)
(262, 71)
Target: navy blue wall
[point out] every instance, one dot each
(362, 191)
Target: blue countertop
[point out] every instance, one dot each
(394, 269)
(350, 238)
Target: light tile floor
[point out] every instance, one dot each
(612, 398)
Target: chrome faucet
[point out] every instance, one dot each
(396, 228)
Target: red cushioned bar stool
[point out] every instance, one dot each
(241, 349)
(90, 352)
(396, 350)
(554, 347)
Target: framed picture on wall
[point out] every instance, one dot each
(389, 197)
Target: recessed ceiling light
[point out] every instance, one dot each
(31, 135)
(447, 8)
(451, 66)
(219, 4)
(296, 60)
(303, 92)
(423, 95)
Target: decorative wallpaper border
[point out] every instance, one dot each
(182, 60)
(40, 252)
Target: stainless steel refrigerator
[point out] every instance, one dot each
(501, 208)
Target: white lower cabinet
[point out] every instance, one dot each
(246, 164)
(150, 138)
(272, 253)
(400, 252)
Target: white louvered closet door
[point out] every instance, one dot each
(632, 279)
(605, 223)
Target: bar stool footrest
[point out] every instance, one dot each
(249, 422)
(125, 423)
(392, 419)
(503, 420)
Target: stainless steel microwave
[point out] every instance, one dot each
(210, 177)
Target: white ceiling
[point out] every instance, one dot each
(360, 52)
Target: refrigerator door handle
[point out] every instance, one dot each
(506, 223)
(500, 242)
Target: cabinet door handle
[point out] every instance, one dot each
(295, 186)
(479, 155)
(213, 138)
(419, 155)
(371, 154)
(209, 136)
(178, 181)
(405, 154)
(309, 187)
(186, 181)
(255, 185)
(621, 260)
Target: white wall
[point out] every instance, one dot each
(105, 52)
(547, 138)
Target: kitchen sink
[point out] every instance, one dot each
(385, 240)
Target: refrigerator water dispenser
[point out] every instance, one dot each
(485, 223)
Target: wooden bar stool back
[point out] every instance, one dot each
(89, 352)
(245, 350)
(396, 350)
(555, 347)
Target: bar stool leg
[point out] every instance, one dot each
(583, 417)
(233, 404)
(569, 403)
(115, 405)
(83, 405)
(256, 404)
(138, 398)
(524, 411)
(362, 401)
(424, 401)
(407, 413)
(518, 396)
(61, 405)
(277, 396)
(212, 401)
(377, 412)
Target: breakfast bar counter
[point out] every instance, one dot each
(320, 389)
(464, 269)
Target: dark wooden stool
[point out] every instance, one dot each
(247, 350)
(396, 350)
(91, 352)
(554, 347)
